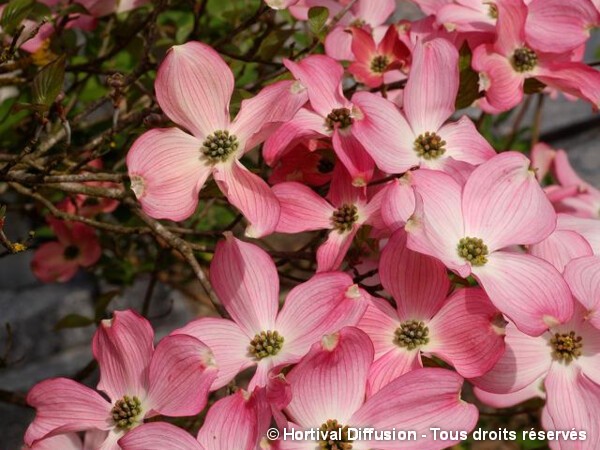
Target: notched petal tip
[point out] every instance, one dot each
(353, 292)
(551, 321)
(330, 341)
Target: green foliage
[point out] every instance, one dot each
(468, 90)
(317, 18)
(48, 83)
(14, 13)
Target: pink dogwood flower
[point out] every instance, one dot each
(139, 381)
(58, 261)
(246, 281)
(332, 115)
(468, 16)
(469, 228)
(419, 136)
(329, 388)
(302, 210)
(374, 63)
(464, 329)
(514, 57)
(169, 166)
(583, 277)
(233, 422)
(310, 162)
(565, 363)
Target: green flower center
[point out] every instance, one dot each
(411, 334)
(566, 347)
(126, 412)
(430, 145)
(334, 436)
(344, 217)
(524, 59)
(379, 63)
(71, 252)
(340, 118)
(266, 343)
(473, 250)
(218, 146)
(493, 11)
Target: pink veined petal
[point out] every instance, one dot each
(385, 369)
(123, 347)
(335, 302)
(363, 45)
(322, 76)
(70, 441)
(342, 191)
(510, 26)
(552, 26)
(561, 247)
(577, 410)
(464, 143)
(94, 439)
(530, 391)
(330, 382)
(374, 12)
(85, 238)
(194, 87)
(231, 423)
(588, 228)
(353, 156)
(228, 343)
(111, 440)
(583, 277)
(418, 282)
(398, 203)
(305, 124)
(431, 7)
(528, 290)
(466, 333)
(504, 205)
(62, 406)
(502, 84)
(415, 401)
(167, 172)
(272, 106)
(338, 44)
(380, 321)
(49, 264)
(542, 157)
(181, 373)
(442, 218)
(251, 195)
(525, 360)
(332, 252)
(430, 93)
(384, 133)
(159, 436)
(565, 173)
(574, 78)
(246, 281)
(302, 209)
(466, 16)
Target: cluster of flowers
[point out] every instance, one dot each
(486, 270)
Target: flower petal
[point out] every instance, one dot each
(322, 76)
(123, 347)
(302, 209)
(380, 321)
(252, 196)
(181, 372)
(561, 247)
(583, 277)
(464, 143)
(167, 173)
(62, 406)
(574, 78)
(504, 205)
(398, 203)
(332, 252)
(465, 333)
(49, 264)
(430, 93)
(530, 391)
(245, 279)
(70, 441)
(415, 401)
(330, 382)
(418, 282)
(193, 87)
(159, 436)
(374, 12)
(227, 342)
(338, 44)
(528, 290)
(353, 156)
(384, 133)
(393, 364)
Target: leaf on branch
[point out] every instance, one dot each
(468, 89)
(533, 86)
(14, 13)
(317, 17)
(48, 83)
(73, 321)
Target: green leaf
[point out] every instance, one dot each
(103, 301)
(468, 89)
(14, 13)
(48, 83)
(73, 321)
(317, 17)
